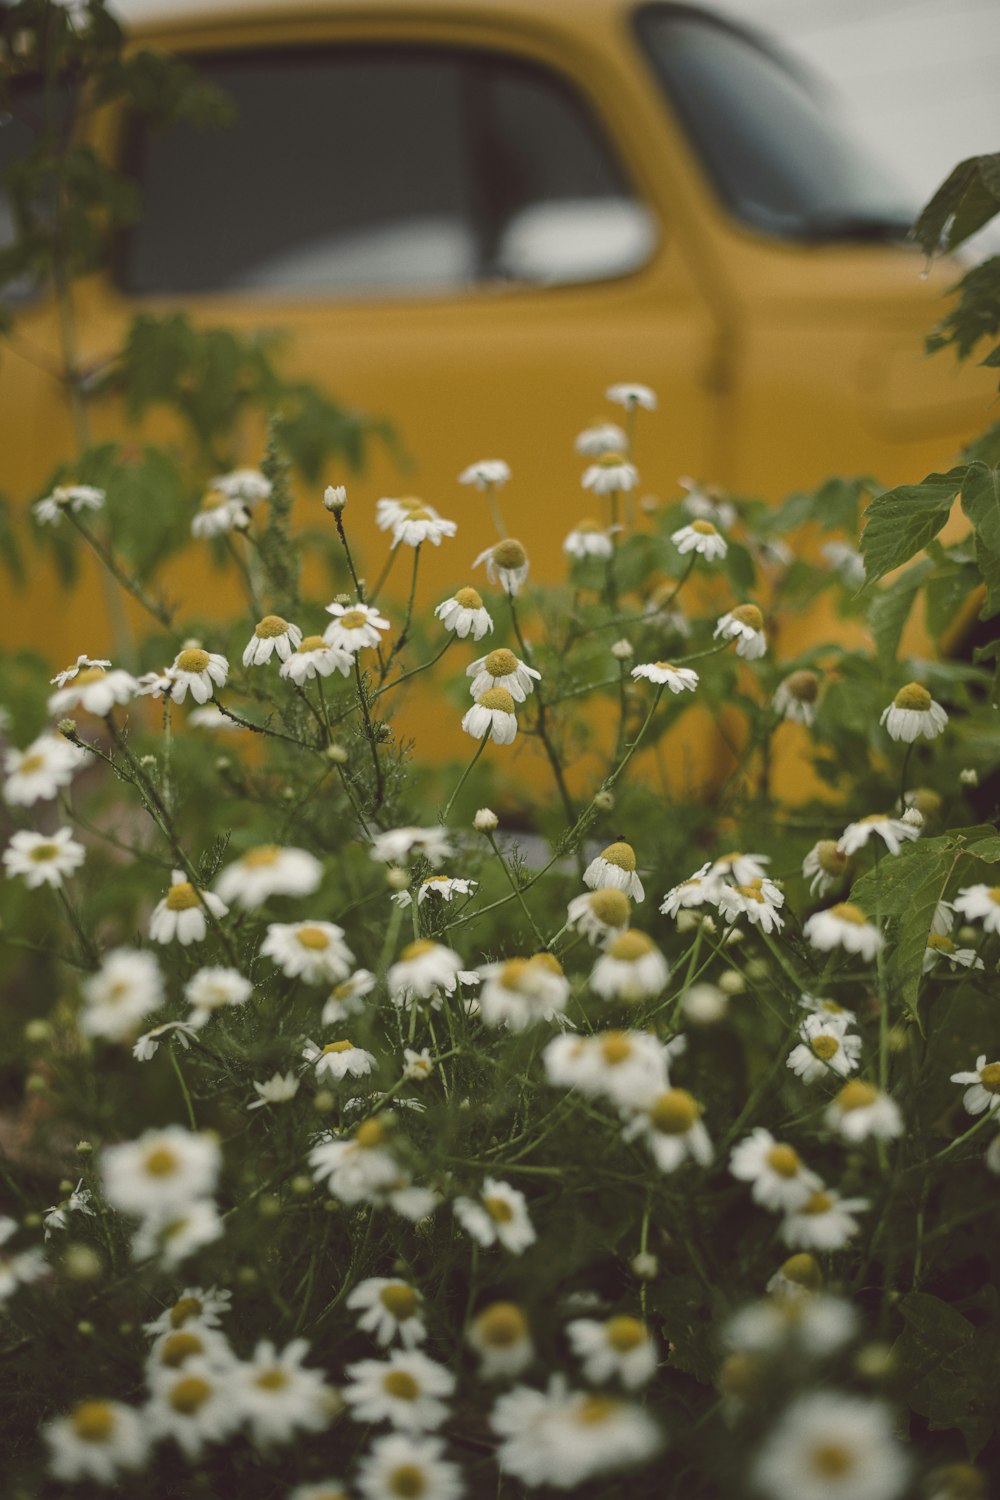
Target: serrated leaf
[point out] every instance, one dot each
(890, 610)
(988, 563)
(914, 930)
(987, 849)
(981, 503)
(902, 521)
(948, 1368)
(966, 200)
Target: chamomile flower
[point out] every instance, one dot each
(211, 717)
(627, 1067)
(194, 1406)
(219, 514)
(403, 1464)
(779, 1178)
(445, 888)
(620, 1348)
(195, 1307)
(830, 1010)
(843, 926)
(272, 635)
(338, 1060)
(825, 867)
(43, 858)
(487, 473)
(601, 437)
(78, 1201)
(19, 1267)
(745, 626)
(96, 1441)
(389, 511)
(984, 1093)
(197, 672)
(213, 989)
(829, 1446)
(422, 525)
(740, 868)
(389, 1309)
(980, 903)
(465, 614)
(599, 914)
(677, 679)
(630, 969)
(913, 715)
(798, 1276)
(175, 1347)
(758, 900)
(492, 715)
(354, 626)
(277, 1397)
(147, 1045)
(499, 1216)
(702, 538)
(632, 396)
(268, 870)
(249, 486)
(615, 867)
(942, 949)
(815, 1325)
(860, 1111)
(75, 498)
(825, 1221)
(590, 539)
(178, 1232)
(180, 916)
(893, 832)
(407, 1389)
(161, 1171)
(278, 1089)
(126, 988)
(518, 992)
(422, 969)
(41, 770)
(315, 658)
(347, 998)
(795, 698)
(312, 951)
(91, 687)
(361, 1169)
(610, 474)
(700, 889)
(502, 669)
(562, 1438)
(826, 1047)
(417, 1066)
(507, 564)
(501, 1338)
(672, 1128)
(395, 845)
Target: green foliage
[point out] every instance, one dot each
(901, 521)
(968, 198)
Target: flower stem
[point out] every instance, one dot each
(492, 500)
(370, 733)
(465, 775)
(516, 889)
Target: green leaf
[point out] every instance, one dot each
(981, 503)
(988, 562)
(890, 610)
(902, 521)
(985, 448)
(948, 1368)
(966, 200)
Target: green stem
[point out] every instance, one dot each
(370, 733)
(515, 888)
(359, 587)
(184, 1088)
(541, 727)
(492, 500)
(159, 612)
(403, 634)
(465, 775)
(383, 575)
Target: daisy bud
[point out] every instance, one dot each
(83, 1148)
(604, 801)
(335, 498)
(645, 1266)
(704, 1005)
(336, 754)
(485, 820)
(731, 982)
(67, 728)
(396, 878)
(37, 1032)
(913, 817)
(81, 1263)
(622, 650)
(324, 1102)
(969, 777)
(874, 1362)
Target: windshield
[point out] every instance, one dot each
(774, 154)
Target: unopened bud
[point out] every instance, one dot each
(731, 982)
(324, 1102)
(622, 650)
(485, 820)
(604, 801)
(969, 777)
(81, 1263)
(645, 1265)
(335, 497)
(67, 728)
(336, 754)
(396, 878)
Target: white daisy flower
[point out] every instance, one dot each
(155, 685)
(492, 715)
(830, 1010)
(326, 1489)
(825, 867)
(829, 1446)
(985, 1091)
(518, 992)
(174, 1348)
(407, 1389)
(315, 658)
(742, 869)
(43, 858)
(196, 1306)
(180, 915)
(197, 672)
(401, 1463)
(271, 634)
(277, 1397)
(395, 845)
(745, 626)
(17, 1268)
(445, 888)
(631, 396)
(843, 926)
(798, 1276)
(278, 1089)
(705, 503)
(219, 514)
(630, 969)
(621, 1348)
(779, 1178)
(672, 1128)
(499, 1216)
(487, 472)
(161, 1171)
(268, 870)
(354, 627)
(507, 564)
(147, 1045)
(677, 679)
(194, 1406)
(816, 1325)
(700, 889)
(312, 951)
(246, 485)
(941, 948)
(211, 717)
(501, 1338)
(795, 698)
(339, 1060)
(78, 1202)
(913, 715)
(38, 772)
(96, 1441)
(389, 511)
(846, 561)
(390, 1309)
(362, 1170)
(824, 1222)
(502, 669)
(563, 1438)
(759, 900)
(705, 1004)
(91, 688)
(702, 538)
(347, 998)
(610, 474)
(893, 832)
(417, 1066)
(125, 989)
(599, 914)
(212, 989)
(602, 437)
(590, 539)
(615, 867)
(176, 1233)
(465, 614)
(75, 498)
(859, 1111)
(980, 903)
(422, 969)
(627, 1067)
(422, 525)
(826, 1047)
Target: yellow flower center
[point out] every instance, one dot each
(989, 1077)
(629, 947)
(783, 1160)
(674, 1112)
(704, 528)
(994, 894)
(831, 1461)
(313, 938)
(502, 1325)
(804, 1270)
(312, 643)
(856, 1095)
(399, 1299)
(339, 1047)
(753, 892)
(829, 858)
(194, 659)
(846, 911)
(408, 1481)
(616, 1047)
(353, 619)
(183, 1311)
(417, 949)
(621, 855)
(512, 974)
(611, 460)
(546, 961)
(625, 1334)
(499, 1210)
(88, 675)
(44, 852)
(803, 686)
(274, 1379)
(401, 1384)
(270, 628)
(509, 554)
(369, 1134)
(595, 1409)
(31, 763)
(748, 615)
(189, 1395)
(161, 1162)
(610, 907)
(420, 513)
(588, 526)
(500, 663)
(262, 857)
(182, 896)
(469, 599)
(913, 696)
(818, 1203)
(93, 1422)
(178, 1347)
(497, 700)
(825, 1047)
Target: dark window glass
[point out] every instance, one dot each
(777, 158)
